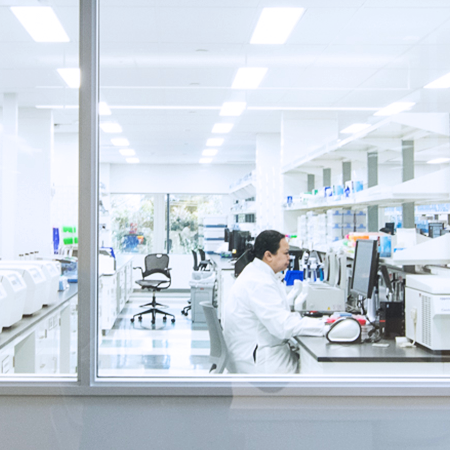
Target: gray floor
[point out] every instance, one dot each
(163, 349)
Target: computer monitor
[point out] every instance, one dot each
(365, 267)
(237, 243)
(390, 226)
(241, 263)
(435, 229)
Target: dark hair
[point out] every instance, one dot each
(267, 240)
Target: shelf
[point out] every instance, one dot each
(243, 188)
(431, 124)
(434, 251)
(433, 187)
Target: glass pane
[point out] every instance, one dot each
(186, 221)
(132, 223)
(38, 189)
(335, 146)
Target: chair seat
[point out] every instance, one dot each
(151, 283)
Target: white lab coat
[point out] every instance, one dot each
(257, 313)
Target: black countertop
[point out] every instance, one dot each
(323, 351)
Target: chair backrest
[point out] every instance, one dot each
(194, 254)
(156, 263)
(218, 348)
(202, 254)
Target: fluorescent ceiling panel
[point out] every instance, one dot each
(205, 160)
(72, 77)
(127, 152)
(275, 25)
(120, 142)
(438, 161)
(355, 128)
(440, 83)
(232, 108)
(222, 128)
(132, 160)
(248, 77)
(111, 127)
(394, 108)
(210, 152)
(103, 109)
(41, 23)
(214, 142)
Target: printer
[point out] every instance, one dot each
(427, 310)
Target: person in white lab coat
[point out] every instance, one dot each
(257, 320)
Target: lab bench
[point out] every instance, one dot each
(225, 279)
(319, 356)
(114, 291)
(44, 342)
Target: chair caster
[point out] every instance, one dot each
(173, 320)
(132, 320)
(140, 318)
(164, 318)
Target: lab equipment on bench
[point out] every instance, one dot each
(3, 302)
(329, 294)
(49, 274)
(37, 285)
(16, 290)
(427, 311)
(51, 271)
(365, 274)
(345, 330)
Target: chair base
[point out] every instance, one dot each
(185, 310)
(153, 311)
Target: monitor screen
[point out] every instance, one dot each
(238, 242)
(365, 267)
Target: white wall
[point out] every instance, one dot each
(65, 180)
(224, 423)
(175, 178)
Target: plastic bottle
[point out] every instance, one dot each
(295, 291)
(300, 301)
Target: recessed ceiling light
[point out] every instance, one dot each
(441, 83)
(210, 152)
(103, 109)
(232, 109)
(395, 108)
(438, 161)
(355, 128)
(41, 23)
(72, 77)
(248, 77)
(275, 25)
(132, 160)
(111, 127)
(127, 152)
(205, 160)
(201, 50)
(222, 128)
(120, 142)
(214, 142)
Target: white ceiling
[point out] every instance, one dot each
(183, 54)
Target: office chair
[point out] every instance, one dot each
(204, 263)
(155, 263)
(218, 353)
(195, 268)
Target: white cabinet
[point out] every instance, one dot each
(113, 292)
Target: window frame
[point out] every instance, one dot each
(87, 383)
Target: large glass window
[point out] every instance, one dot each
(212, 132)
(38, 188)
(186, 220)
